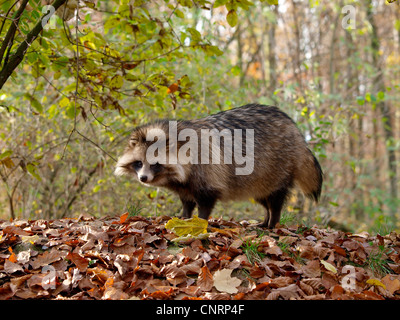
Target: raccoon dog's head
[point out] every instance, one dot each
(146, 169)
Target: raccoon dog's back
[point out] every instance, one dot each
(281, 155)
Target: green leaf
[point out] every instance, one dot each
(179, 13)
(186, 3)
(195, 35)
(232, 18)
(219, 3)
(360, 100)
(212, 51)
(71, 111)
(32, 169)
(6, 154)
(116, 82)
(381, 95)
(34, 103)
(271, 2)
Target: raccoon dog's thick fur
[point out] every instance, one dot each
(282, 160)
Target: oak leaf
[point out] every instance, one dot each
(223, 281)
(391, 282)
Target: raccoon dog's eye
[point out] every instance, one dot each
(137, 164)
(156, 167)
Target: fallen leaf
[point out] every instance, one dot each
(47, 258)
(289, 292)
(328, 266)
(190, 237)
(78, 260)
(193, 226)
(13, 257)
(376, 283)
(205, 280)
(123, 217)
(223, 281)
(11, 267)
(391, 282)
(312, 269)
(16, 230)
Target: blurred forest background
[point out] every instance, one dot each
(71, 92)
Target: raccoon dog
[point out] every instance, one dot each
(263, 154)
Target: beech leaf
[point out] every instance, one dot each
(328, 266)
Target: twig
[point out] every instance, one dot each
(96, 145)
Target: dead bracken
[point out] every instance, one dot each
(136, 258)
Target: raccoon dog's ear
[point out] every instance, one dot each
(133, 141)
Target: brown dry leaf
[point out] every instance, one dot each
(287, 293)
(11, 267)
(205, 280)
(338, 293)
(229, 232)
(307, 289)
(311, 269)
(112, 293)
(306, 252)
(99, 273)
(329, 280)
(391, 282)
(368, 295)
(190, 253)
(16, 230)
(47, 258)
(78, 260)
(315, 283)
(281, 282)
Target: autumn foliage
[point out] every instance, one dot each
(140, 258)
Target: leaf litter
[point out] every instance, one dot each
(168, 258)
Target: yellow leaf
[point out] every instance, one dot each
(30, 239)
(183, 239)
(116, 82)
(232, 18)
(328, 266)
(193, 226)
(376, 283)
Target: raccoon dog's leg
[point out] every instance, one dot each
(205, 199)
(188, 207)
(273, 205)
(264, 203)
(206, 208)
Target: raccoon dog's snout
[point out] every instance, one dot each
(280, 157)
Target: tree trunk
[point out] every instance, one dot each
(384, 108)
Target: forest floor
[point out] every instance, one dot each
(143, 258)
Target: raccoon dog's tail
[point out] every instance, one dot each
(309, 177)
